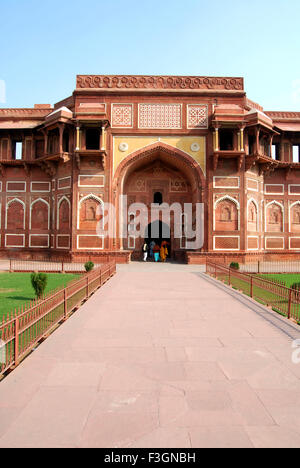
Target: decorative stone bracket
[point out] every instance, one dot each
(48, 167)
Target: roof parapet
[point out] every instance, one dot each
(142, 82)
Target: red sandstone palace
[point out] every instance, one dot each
(167, 138)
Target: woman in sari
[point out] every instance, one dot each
(164, 245)
(163, 253)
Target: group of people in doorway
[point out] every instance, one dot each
(156, 251)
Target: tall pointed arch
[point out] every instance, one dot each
(39, 214)
(88, 212)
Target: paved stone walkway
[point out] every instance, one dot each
(158, 359)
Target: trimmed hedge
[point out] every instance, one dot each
(89, 266)
(39, 283)
(235, 265)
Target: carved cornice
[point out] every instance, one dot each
(24, 112)
(283, 115)
(158, 82)
(253, 105)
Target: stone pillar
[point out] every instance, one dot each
(71, 141)
(257, 140)
(33, 154)
(45, 142)
(100, 138)
(61, 135)
(271, 144)
(238, 141)
(281, 151)
(103, 139)
(77, 138)
(216, 139)
(9, 147)
(23, 155)
(242, 147)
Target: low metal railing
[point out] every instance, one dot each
(48, 266)
(282, 299)
(23, 329)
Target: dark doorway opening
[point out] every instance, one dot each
(158, 198)
(66, 141)
(226, 140)
(92, 136)
(159, 233)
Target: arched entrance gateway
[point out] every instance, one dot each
(155, 176)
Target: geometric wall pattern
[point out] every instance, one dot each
(197, 116)
(160, 116)
(121, 115)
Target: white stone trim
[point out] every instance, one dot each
(30, 213)
(130, 246)
(91, 175)
(274, 185)
(283, 214)
(258, 214)
(226, 197)
(15, 246)
(293, 194)
(293, 248)
(39, 246)
(64, 178)
(62, 235)
(6, 210)
(253, 180)
(274, 237)
(263, 228)
(90, 235)
(183, 241)
(16, 182)
(86, 197)
(234, 187)
(58, 205)
(290, 218)
(40, 182)
(222, 237)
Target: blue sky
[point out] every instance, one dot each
(44, 44)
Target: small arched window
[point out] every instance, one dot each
(158, 198)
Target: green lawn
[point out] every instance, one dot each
(287, 278)
(275, 297)
(16, 289)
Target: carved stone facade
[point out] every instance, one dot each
(156, 139)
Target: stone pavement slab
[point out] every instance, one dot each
(161, 356)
